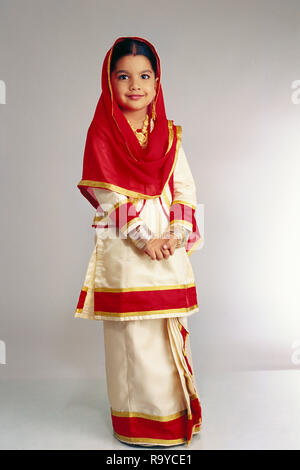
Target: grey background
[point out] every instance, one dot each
(227, 70)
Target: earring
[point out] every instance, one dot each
(153, 112)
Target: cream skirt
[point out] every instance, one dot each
(150, 382)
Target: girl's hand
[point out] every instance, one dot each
(160, 248)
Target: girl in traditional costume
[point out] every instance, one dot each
(139, 280)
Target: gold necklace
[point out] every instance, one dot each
(142, 135)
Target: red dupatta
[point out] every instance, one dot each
(113, 157)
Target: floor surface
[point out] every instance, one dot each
(241, 410)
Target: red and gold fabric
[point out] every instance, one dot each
(124, 283)
(113, 156)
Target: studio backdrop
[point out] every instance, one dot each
(231, 79)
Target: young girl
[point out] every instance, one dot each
(139, 279)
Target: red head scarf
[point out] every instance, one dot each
(113, 156)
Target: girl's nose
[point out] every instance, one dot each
(134, 85)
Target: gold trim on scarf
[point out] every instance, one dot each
(171, 135)
(113, 187)
(179, 136)
(128, 192)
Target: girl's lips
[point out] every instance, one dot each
(135, 97)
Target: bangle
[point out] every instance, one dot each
(176, 235)
(140, 235)
(180, 232)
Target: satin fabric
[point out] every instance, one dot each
(150, 383)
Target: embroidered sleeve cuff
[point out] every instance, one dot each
(182, 213)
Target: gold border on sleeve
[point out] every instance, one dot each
(197, 243)
(185, 203)
(184, 223)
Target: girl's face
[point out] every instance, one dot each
(133, 83)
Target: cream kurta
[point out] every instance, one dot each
(124, 283)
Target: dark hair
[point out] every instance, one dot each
(132, 47)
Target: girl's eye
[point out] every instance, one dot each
(120, 77)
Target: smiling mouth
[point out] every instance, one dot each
(135, 97)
